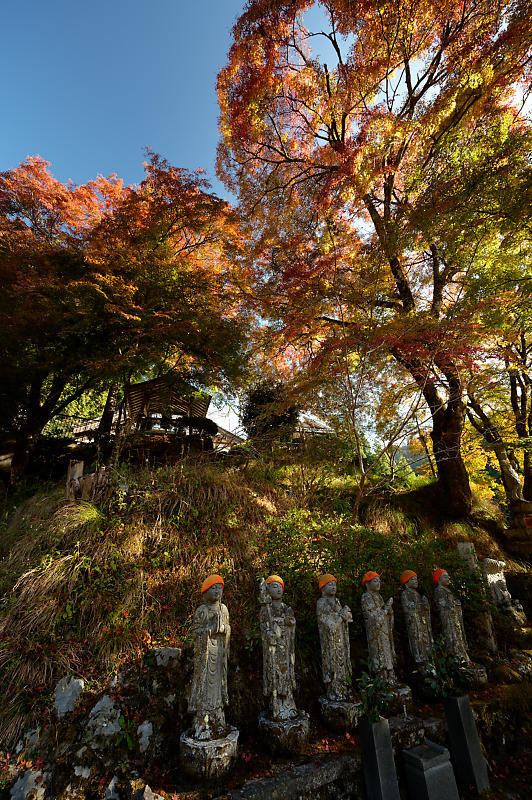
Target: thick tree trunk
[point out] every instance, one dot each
(452, 473)
(448, 419)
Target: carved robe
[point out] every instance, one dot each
(379, 632)
(417, 614)
(335, 649)
(452, 622)
(278, 626)
(208, 694)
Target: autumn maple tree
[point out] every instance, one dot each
(104, 282)
(333, 115)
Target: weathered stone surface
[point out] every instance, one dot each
(103, 720)
(29, 786)
(144, 732)
(418, 624)
(208, 694)
(337, 779)
(378, 619)
(67, 692)
(522, 660)
(468, 554)
(406, 732)
(484, 621)
(111, 793)
(468, 760)
(208, 758)
(82, 772)
(378, 763)
(429, 772)
(452, 624)
(435, 729)
(277, 627)
(474, 674)
(339, 715)
(29, 742)
(146, 794)
(333, 627)
(167, 656)
(494, 574)
(401, 699)
(285, 735)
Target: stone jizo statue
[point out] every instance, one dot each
(417, 615)
(450, 610)
(211, 632)
(378, 619)
(494, 574)
(283, 728)
(333, 626)
(278, 627)
(210, 746)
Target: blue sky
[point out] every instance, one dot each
(87, 85)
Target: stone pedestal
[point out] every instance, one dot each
(339, 715)
(406, 732)
(210, 758)
(474, 675)
(285, 736)
(401, 697)
(468, 760)
(429, 772)
(380, 776)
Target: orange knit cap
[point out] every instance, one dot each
(275, 579)
(210, 581)
(407, 574)
(369, 577)
(325, 579)
(436, 575)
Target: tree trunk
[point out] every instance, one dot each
(39, 411)
(453, 479)
(510, 479)
(527, 472)
(484, 425)
(24, 443)
(20, 459)
(522, 409)
(106, 421)
(448, 419)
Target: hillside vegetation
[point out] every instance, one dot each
(87, 587)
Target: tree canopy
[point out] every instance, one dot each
(106, 281)
(339, 139)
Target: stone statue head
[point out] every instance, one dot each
(409, 579)
(212, 589)
(371, 581)
(327, 585)
(440, 577)
(275, 587)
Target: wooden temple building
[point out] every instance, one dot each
(164, 415)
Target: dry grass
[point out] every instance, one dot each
(88, 587)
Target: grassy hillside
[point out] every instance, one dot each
(87, 587)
